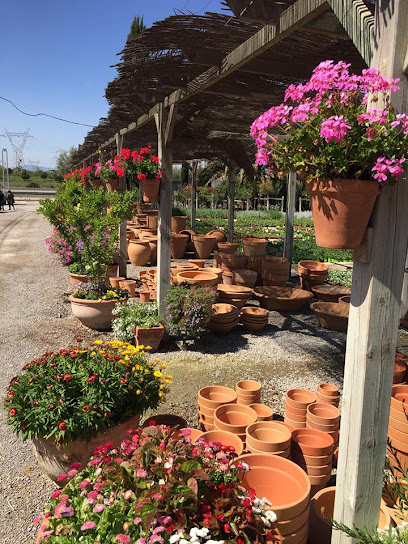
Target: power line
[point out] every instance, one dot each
(45, 115)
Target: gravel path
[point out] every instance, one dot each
(291, 352)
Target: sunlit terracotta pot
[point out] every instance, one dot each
(178, 223)
(114, 281)
(203, 245)
(150, 189)
(213, 396)
(323, 414)
(225, 438)
(297, 537)
(282, 453)
(299, 398)
(312, 442)
(399, 397)
(171, 420)
(295, 424)
(227, 247)
(268, 436)
(310, 460)
(149, 336)
(317, 470)
(144, 295)
(178, 244)
(254, 246)
(205, 279)
(330, 293)
(234, 418)
(328, 389)
(130, 285)
(153, 240)
(94, 314)
(139, 252)
(198, 263)
(263, 412)
(213, 270)
(400, 370)
(295, 417)
(219, 235)
(193, 436)
(325, 428)
(401, 426)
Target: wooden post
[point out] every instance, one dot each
(290, 216)
(193, 194)
(300, 204)
(165, 120)
(231, 203)
(122, 228)
(374, 315)
(283, 203)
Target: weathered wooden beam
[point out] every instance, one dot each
(122, 228)
(231, 202)
(374, 315)
(193, 168)
(290, 216)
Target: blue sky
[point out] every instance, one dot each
(57, 58)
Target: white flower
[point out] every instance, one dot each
(271, 516)
(174, 538)
(183, 541)
(161, 481)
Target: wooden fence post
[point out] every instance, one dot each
(290, 216)
(231, 203)
(374, 315)
(122, 228)
(194, 165)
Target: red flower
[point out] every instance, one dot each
(227, 528)
(12, 412)
(79, 339)
(62, 426)
(10, 393)
(125, 154)
(93, 378)
(142, 177)
(67, 377)
(85, 408)
(123, 381)
(155, 159)
(120, 172)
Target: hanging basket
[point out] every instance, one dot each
(112, 185)
(150, 189)
(341, 209)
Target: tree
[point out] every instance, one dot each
(43, 175)
(25, 174)
(64, 160)
(137, 27)
(184, 173)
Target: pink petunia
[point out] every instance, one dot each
(123, 538)
(88, 525)
(99, 508)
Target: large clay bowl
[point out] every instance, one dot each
(222, 310)
(282, 299)
(330, 293)
(248, 388)
(312, 442)
(212, 270)
(299, 398)
(307, 268)
(328, 389)
(323, 414)
(281, 481)
(234, 418)
(213, 396)
(268, 436)
(226, 439)
(331, 315)
(263, 412)
(253, 311)
(205, 279)
(235, 291)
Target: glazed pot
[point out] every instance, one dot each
(139, 252)
(130, 285)
(94, 314)
(56, 460)
(331, 315)
(203, 245)
(312, 442)
(263, 412)
(225, 438)
(331, 293)
(234, 418)
(213, 396)
(254, 246)
(150, 189)
(178, 223)
(178, 244)
(268, 436)
(285, 484)
(149, 336)
(170, 420)
(341, 209)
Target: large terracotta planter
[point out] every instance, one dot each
(75, 279)
(178, 223)
(341, 209)
(203, 245)
(331, 293)
(244, 277)
(150, 189)
(227, 247)
(282, 299)
(139, 252)
(331, 315)
(112, 185)
(94, 314)
(178, 244)
(205, 279)
(149, 336)
(56, 460)
(254, 246)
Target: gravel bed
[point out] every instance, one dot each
(292, 351)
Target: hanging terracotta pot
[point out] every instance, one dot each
(178, 223)
(139, 252)
(149, 336)
(112, 185)
(341, 209)
(150, 189)
(178, 244)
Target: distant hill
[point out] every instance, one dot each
(32, 168)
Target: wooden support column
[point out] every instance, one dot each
(374, 314)
(165, 120)
(231, 202)
(122, 228)
(193, 167)
(290, 216)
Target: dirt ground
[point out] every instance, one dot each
(292, 351)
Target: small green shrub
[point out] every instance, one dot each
(341, 277)
(33, 184)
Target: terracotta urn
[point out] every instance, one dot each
(139, 252)
(178, 223)
(178, 244)
(203, 245)
(94, 314)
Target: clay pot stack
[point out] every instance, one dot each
(398, 425)
(246, 278)
(275, 270)
(400, 368)
(328, 393)
(209, 399)
(263, 412)
(287, 487)
(270, 437)
(234, 418)
(232, 261)
(225, 438)
(234, 294)
(254, 246)
(312, 273)
(203, 245)
(248, 392)
(254, 318)
(227, 247)
(255, 263)
(223, 319)
(297, 401)
(312, 450)
(176, 269)
(324, 417)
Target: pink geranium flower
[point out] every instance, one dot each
(88, 525)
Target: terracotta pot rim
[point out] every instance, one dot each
(85, 301)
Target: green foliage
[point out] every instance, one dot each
(65, 161)
(341, 277)
(33, 184)
(43, 175)
(137, 27)
(131, 315)
(176, 211)
(391, 535)
(25, 175)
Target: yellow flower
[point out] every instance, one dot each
(97, 342)
(161, 393)
(167, 381)
(93, 353)
(146, 371)
(157, 374)
(138, 392)
(140, 380)
(161, 386)
(163, 365)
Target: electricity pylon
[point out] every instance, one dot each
(18, 141)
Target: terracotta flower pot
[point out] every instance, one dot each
(299, 398)
(219, 235)
(328, 389)
(400, 370)
(193, 436)
(112, 185)
(268, 436)
(225, 438)
(203, 245)
(334, 428)
(178, 244)
(399, 397)
(298, 417)
(227, 247)
(114, 280)
(263, 412)
(248, 387)
(178, 223)
(130, 285)
(341, 209)
(232, 260)
(254, 246)
(198, 263)
(150, 189)
(153, 240)
(144, 295)
(234, 418)
(170, 420)
(295, 424)
(190, 233)
(152, 220)
(281, 453)
(241, 276)
(204, 279)
(330, 293)
(149, 336)
(282, 299)
(312, 442)
(56, 460)
(213, 396)
(212, 270)
(323, 414)
(139, 252)
(331, 315)
(310, 460)
(94, 314)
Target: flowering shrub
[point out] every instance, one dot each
(157, 489)
(142, 164)
(111, 169)
(188, 310)
(332, 134)
(81, 391)
(58, 245)
(131, 315)
(98, 291)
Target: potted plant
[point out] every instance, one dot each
(68, 402)
(158, 487)
(93, 303)
(139, 322)
(144, 167)
(188, 311)
(110, 172)
(343, 150)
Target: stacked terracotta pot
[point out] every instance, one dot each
(313, 451)
(255, 263)
(312, 273)
(275, 270)
(400, 368)
(246, 278)
(254, 246)
(254, 318)
(324, 417)
(263, 412)
(248, 392)
(328, 393)
(398, 425)
(223, 319)
(231, 261)
(209, 399)
(270, 437)
(225, 438)
(297, 401)
(234, 294)
(234, 418)
(287, 487)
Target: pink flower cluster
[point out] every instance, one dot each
(334, 129)
(57, 244)
(391, 166)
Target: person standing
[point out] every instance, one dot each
(10, 199)
(2, 200)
